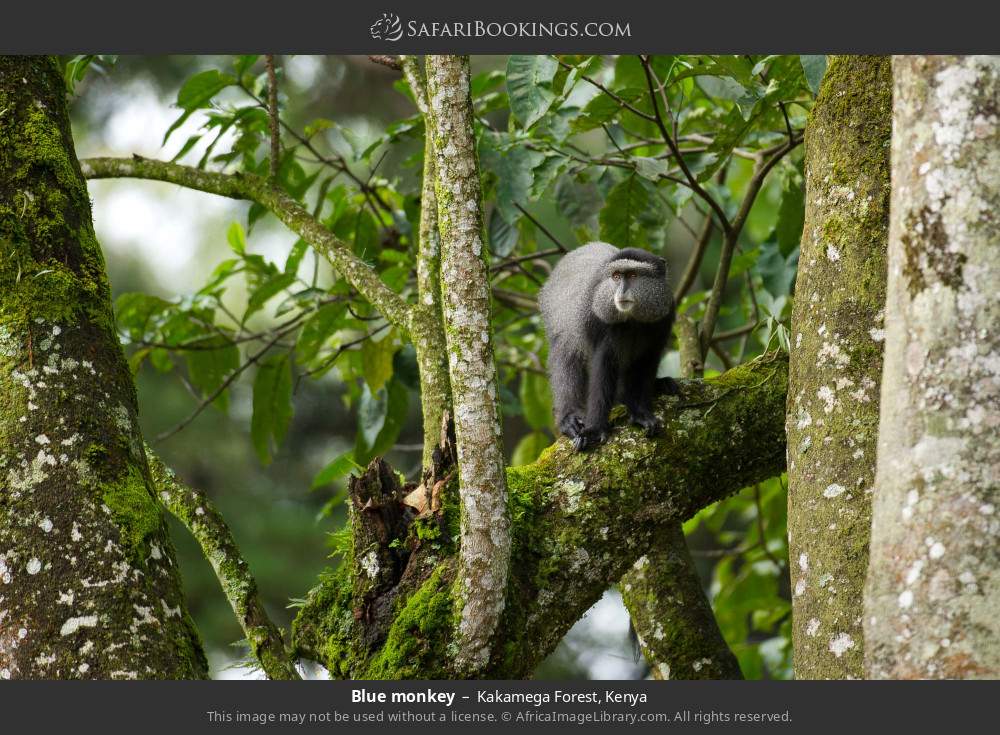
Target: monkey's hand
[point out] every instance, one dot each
(590, 438)
(649, 423)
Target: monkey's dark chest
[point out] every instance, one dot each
(630, 341)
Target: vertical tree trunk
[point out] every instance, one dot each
(933, 592)
(485, 546)
(427, 321)
(836, 363)
(89, 587)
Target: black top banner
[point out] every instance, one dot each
(447, 26)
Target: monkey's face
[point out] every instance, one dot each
(624, 296)
(631, 291)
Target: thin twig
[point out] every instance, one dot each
(207, 401)
(672, 145)
(760, 527)
(272, 114)
(694, 261)
(543, 228)
(524, 258)
(388, 60)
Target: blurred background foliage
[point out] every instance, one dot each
(264, 380)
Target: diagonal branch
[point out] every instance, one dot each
(673, 620)
(253, 188)
(580, 521)
(769, 159)
(202, 519)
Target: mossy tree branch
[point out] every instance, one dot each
(200, 516)
(580, 521)
(672, 617)
(255, 189)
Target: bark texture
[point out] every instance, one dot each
(485, 518)
(677, 630)
(933, 592)
(427, 320)
(89, 587)
(580, 521)
(836, 363)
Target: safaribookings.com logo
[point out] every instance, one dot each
(390, 28)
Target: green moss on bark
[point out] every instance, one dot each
(836, 362)
(579, 521)
(92, 576)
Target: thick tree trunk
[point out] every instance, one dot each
(485, 519)
(933, 592)
(836, 363)
(89, 587)
(580, 521)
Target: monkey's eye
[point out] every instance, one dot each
(630, 276)
(616, 276)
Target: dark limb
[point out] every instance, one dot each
(600, 397)
(568, 375)
(640, 385)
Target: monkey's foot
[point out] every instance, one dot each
(590, 438)
(571, 426)
(649, 423)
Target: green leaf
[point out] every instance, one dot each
(380, 419)
(536, 400)
(243, 63)
(791, 213)
(237, 238)
(272, 406)
(528, 449)
(295, 256)
(266, 291)
(136, 312)
(372, 410)
(529, 86)
(578, 201)
(208, 368)
(619, 219)
(197, 93)
(651, 168)
(503, 236)
(342, 465)
(514, 169)
(813, 67)
(603, 108)
(317, 329)
(376, 360)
